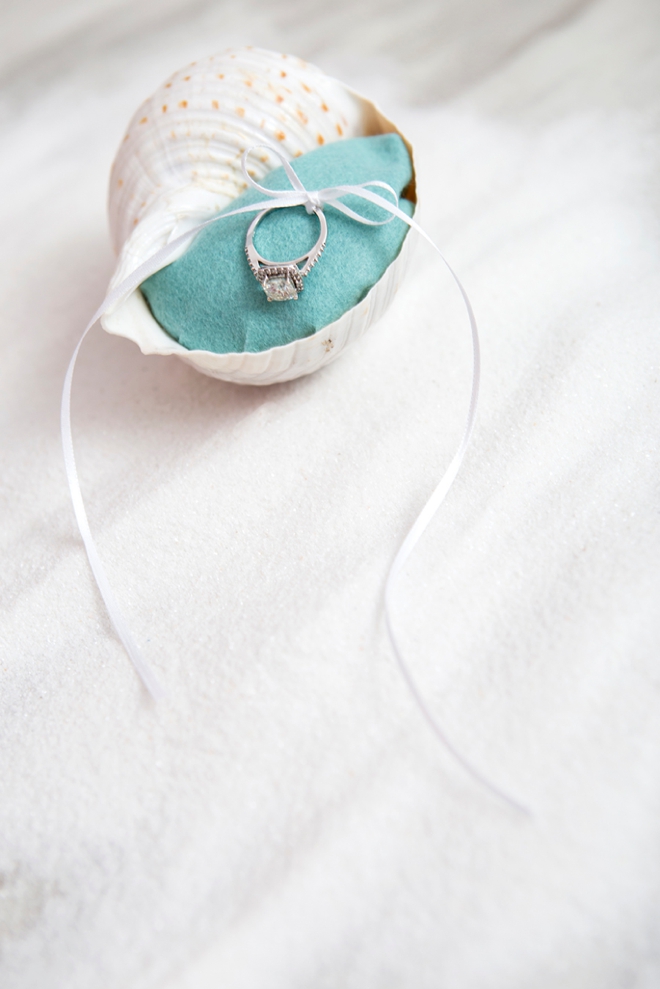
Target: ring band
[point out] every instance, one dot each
(282, 280)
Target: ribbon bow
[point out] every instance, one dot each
(298, 195)
(278, 199)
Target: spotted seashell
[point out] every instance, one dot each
(179, 163)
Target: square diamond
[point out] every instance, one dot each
(279, 288)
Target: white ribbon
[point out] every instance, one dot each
(278, 199)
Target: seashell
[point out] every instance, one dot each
(179, 163)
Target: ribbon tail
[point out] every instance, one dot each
(409, 544)
(121, 291)
(121, 627)
(428, 512)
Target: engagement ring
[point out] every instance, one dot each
(282, 280)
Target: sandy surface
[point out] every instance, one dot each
(286, 819)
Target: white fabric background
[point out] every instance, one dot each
(286, 819)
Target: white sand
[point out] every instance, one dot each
(286, 819)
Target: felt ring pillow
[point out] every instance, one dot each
(180, 165)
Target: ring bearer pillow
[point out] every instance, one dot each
(209, 299)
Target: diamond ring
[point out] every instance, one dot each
(283, 280)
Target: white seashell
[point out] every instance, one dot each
(180, 163)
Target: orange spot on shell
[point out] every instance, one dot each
(240, 111)
(144, 120)
(221, 75)
(247, 82)
(320, 139)
(215, 104)
(279, 98)
(324, 106)
(168, 85)
(164, 107)
(120, 183)
(280, 135)
(183, 103)
(305, 87)
(302, 116)
(186, 78)
(339, 130)
(135, 222)
(297, 154)
(282, 73)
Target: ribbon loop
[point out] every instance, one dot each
(313, 199)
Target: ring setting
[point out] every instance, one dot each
(282, 281)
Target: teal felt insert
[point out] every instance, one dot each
(209, 299)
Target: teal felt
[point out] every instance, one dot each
(209, 299)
